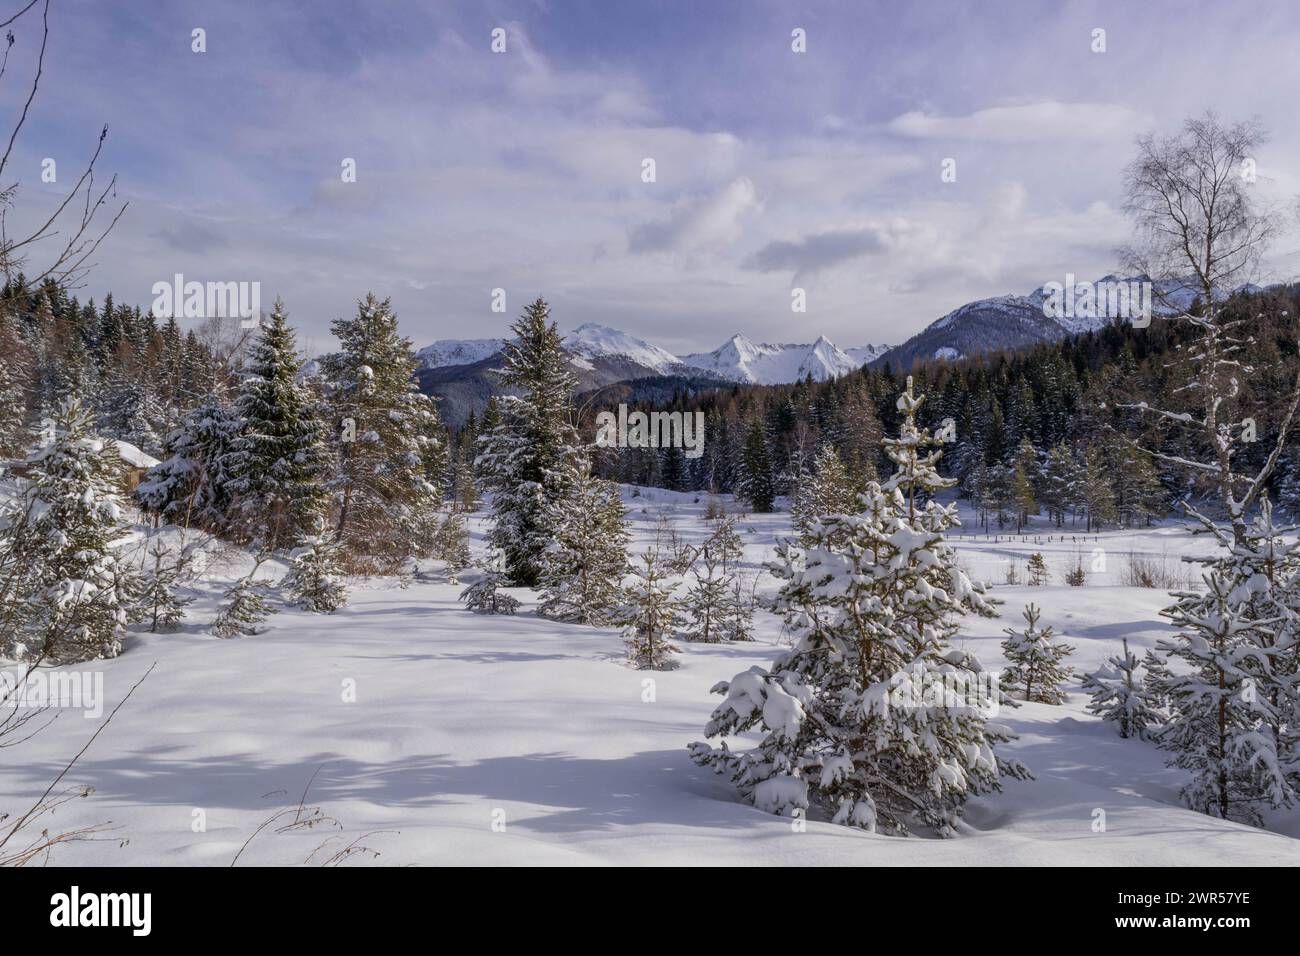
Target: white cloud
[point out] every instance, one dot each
(1045, 120)
(698, 224)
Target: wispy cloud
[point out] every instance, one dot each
(1027, 123)
(696, 224)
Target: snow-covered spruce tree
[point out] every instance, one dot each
(484, 595)
(871, 716)
(707, 602)
(651, 615)
(1156, 678)
(1060, 484)
(1034, 669)
(60, 576)
(451, 543)
(1232, 702)
(532, 460)
(190, 487)
(278, 461)
(245, 608)
(757, 483)
(386, 485)
(584, 567)
(161, 605)
(314, 581)
(1119, 695)
(826, 490)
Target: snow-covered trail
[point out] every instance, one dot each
(459, 719)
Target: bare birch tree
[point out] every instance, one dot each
(1200, 222)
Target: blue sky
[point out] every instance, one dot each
(522, 170)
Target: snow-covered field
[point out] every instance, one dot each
(433, 735)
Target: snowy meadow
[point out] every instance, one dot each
(431, 735)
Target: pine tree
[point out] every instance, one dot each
(199, 374)
(484, 595)
(15, 380)
(160, 603)
(532, 460)
(725, 542)
(1120, 696)
(191, 485)
(313, 581)
(1034, 669)
(827, 490)
(1038, 574)
(1060, 484)
(1024, 477)
(1139, 496)
(384, 485)
(464, 488)
(131, 410)
(245, 609)
(707, 603)
(583, 569)
(1230, 712)
(850, 717)
(1095, 491)
(672, 468)
(1156, 684)
(757, 484)
(738, 612)
(452, 544)
(651, 616)
(61, 583)
(1000, 493)
(277, 462)
(976, 489)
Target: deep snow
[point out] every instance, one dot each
(462, 721)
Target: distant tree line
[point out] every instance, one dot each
(1029, 433)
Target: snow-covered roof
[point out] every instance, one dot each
(133, 456)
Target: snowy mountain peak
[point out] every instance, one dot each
(1021, 321)
(738, 359)
(741, 360)
(446, 352)
(592, 340)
